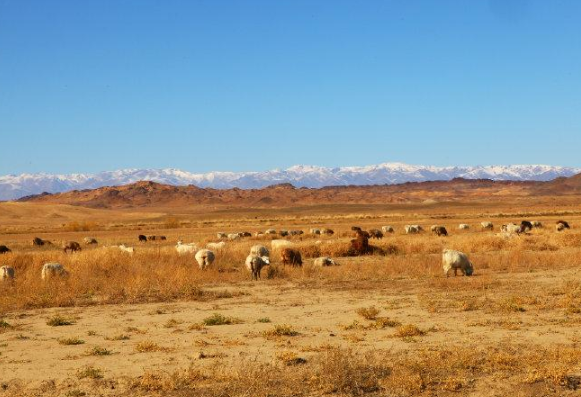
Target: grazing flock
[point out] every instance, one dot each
(259, 255)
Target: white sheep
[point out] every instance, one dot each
(204, 258)
(512, 228)
(255, 263)
(324, 261)
(412, 229)
(270, 231)
(6, 273)
(124, 248)
(53, 269)
(387, 229)
(315, 231)
(452, 259)
(182, 248)
(216, 246)
(90, 240)
(464, 226)
(259, 250)
(280, 244)
(487, 225)
(233, 236)
(221, 235)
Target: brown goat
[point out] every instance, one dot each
(291, 257)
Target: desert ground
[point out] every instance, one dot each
(386, 324)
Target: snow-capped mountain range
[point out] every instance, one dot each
(16, 186)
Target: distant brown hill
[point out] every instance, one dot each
(151, 194)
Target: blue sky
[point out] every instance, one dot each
(99, 85)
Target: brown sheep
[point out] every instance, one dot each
(375, 233)
(4, 249)
(291, 257)
(440, 231)
(37, 241)
(142, 238)
(71, 246)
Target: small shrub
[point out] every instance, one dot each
(149, 346)
(58, 321)
(280, 330)
(99, 351)
(90, 372)
(369, 313)
(290, 358)
(219, 319)
(263, 320)
(119, 337)
(4, 325)
(71, 341)
(409, 330)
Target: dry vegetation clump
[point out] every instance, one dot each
(280, 330)
(428, 371)
(149, 346)
(220, 319)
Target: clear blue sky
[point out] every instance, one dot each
(90, 85)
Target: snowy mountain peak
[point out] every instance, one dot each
(16, 186)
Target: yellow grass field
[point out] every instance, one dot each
(392, 324)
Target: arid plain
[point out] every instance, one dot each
(387, 324)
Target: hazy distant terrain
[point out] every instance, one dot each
(16, 186)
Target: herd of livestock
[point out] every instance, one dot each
(259, 255)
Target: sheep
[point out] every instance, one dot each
(221, 235)
(464, 226)
(328, 232)
(205, 258)
(90, 240)
(151, 238)
(562, 225)
(278, 244)
(440, 231)
(142, 238)
(359, 232)
(360, 245)
(315, 231)
(124, 248)
(259, 250)
(512, 228)
(537, 224)
(452, 259)
(38, 242)
(216, 246)
(255, 263)
(233, 236)
(324, 261)
(246, 234)
(296, 232)
(283, 233)
(6, 273)
(51, 270)
(375, 233)
(487, 226)
(71, 246)
(526, 226)
(258, 234)
(387, 229)
(270, 231)
(412, 229)
(4, 249)
(292, 257)
(182, 248)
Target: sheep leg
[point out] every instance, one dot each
(455, 271)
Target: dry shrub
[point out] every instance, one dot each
(368, 313)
